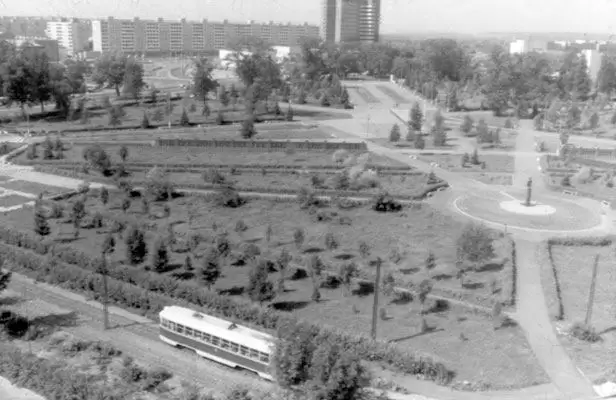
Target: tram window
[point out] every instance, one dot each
(264, 357)
(215, 340)
(207, 337)
(172, 325)
(235, 347)
(163, 322)
(179, 328)
(189, 331)
(244, 351)
(199, 335)
(254, 354)
(224, 344)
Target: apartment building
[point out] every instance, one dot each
(72, 34)
(161, 36)
(350, 21)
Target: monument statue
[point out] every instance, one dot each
(529, 190)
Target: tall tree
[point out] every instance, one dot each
(581, 80)
(133, 82)
(203, 83)
(110, 69)
(41, 81)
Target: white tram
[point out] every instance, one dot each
(217, 339)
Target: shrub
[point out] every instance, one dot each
(184, 120)
(383, 202)
(331, 243)
(475, 244)
(259, 287)
(160, 256)
(228, 197)
(583, 332)
(157, 184)
(394, 134)
(248, 130)
(145, 122)
(213, 176)
(339, 156)
(210, 271)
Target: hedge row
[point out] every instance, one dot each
(604, 241)
(264, 145)
(201, 166)
(140, 289)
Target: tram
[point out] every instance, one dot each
(217, 339)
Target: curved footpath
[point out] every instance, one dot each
(531, 313)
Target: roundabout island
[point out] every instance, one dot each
(513, 210)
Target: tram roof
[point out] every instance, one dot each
(219, 327)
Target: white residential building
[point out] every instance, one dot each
(72, 35)
(593, 61)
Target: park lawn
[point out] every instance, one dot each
(200, 155)
(413, 184)
(13, 200)
(492, 178)
(32, 187)
(487, 116)
(452, 162)
(363, 93)
(573, 265)
(392, 94)
(466, 341)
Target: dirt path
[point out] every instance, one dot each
(135, 335)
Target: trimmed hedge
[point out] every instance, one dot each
(264, 145)
(144, 290)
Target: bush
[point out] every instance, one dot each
(383, 202)
(394, 134)
(583, 332)
(229, 197)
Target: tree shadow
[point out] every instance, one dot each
(183, 275)
(313, 250)
(289, 305)
(472, 285)
(298, 273)
(135, 323)
(55, 320)
(439, 305)
(608, 330)
(507, 323)
(409, 271)
(344, 256)
(428, 331)
(490, 267)
(233, 291)
(363, 289)
(441, 277)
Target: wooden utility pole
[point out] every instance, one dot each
(375, 306)
(105, 294)
(591, 292)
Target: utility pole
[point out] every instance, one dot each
(591, 292)
(105, 294)
(375, 306)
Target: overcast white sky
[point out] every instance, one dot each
(464, 16)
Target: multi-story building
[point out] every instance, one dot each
(350, 21)
(72, 34)
(528, 45)
(35, 45)
(164, 37)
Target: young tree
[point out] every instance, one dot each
(220, 118)
(416, 117)
(282, 262)
(158, 115)
(192, 108)
(419, 142)
(184, 121)
(248, 130)
(205, 111)
(160, 256)
(394, 134)
(439, 136)
(125, 204)
(467, 125)
(114, 117)
(145, 122)
(188, 264)
(41, 226)
(430, 261)
(210, 270)
(136, 248)
(78, 212)
(425, 287)
(347, 379)
(298, 237)
(107, 248)
(259, 287)
(104, 194)
(203, 83)
(289, 114)
(123, 153)
(223, 96)
(594, 121)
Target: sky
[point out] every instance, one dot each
(398, 16)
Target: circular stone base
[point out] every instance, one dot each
(517, 207)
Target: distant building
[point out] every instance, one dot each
(72, 34)
(593, 61)
(166, 37)
(36, 45)
(528, 45)
(350, 21)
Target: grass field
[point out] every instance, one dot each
(196, 155)
(13, 200)
(573, 267)
(31, 187)
(452, 162)
(363, 94)
(464, 340)
(392, 94)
